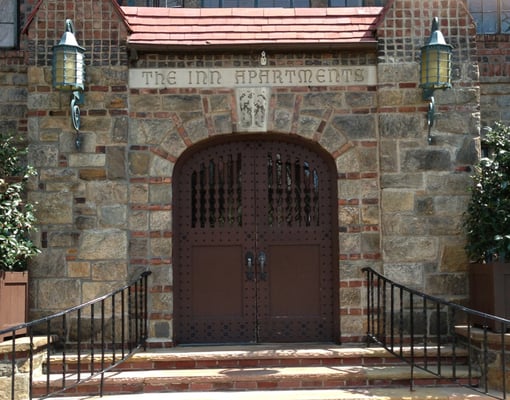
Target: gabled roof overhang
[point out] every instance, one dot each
(250, 29)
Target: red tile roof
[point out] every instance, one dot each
(188, 28)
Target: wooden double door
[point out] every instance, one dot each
(255, 253)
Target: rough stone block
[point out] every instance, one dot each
(370, 215)
(113, 216)
(53, 208)
(107, 192)
(107, 244)
(454, 258)
(173, 144)
(446, 284)
(93, 290)
(397, 72)
(109, 271)
(161, 247)
(43, 155)
(405, 274)
(426, 160)
(222, 123)
(348, 216)
(181, 102)
(403, 181)
(150, 131)
(348, 161)
(87, 160)
(397, 201)
(69, 294)
(388, 156)
(448, 184)
(116, 162)
(318, 100)
(161, 167)
(401, 126)
(349, 243)
(161, 221)
(360, 99)
(160, 194)
(356, 127)
(78, 269)
(120, 129)
(219, 103)
(92, 174)
(370, 243)
(409, 249)
(139, 163)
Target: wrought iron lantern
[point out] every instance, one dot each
(68, 72)
(436, 66)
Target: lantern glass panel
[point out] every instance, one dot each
(435, 67)
(68, 68)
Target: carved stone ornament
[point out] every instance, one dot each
(253, 108)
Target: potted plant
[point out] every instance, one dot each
(487, 226)
(17, 221)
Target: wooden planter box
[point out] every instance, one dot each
(13, 300)
(489, 288)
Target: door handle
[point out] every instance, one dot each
(262, 264)
(249, 266)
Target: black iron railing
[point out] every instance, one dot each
(419, 328)
(61, 351)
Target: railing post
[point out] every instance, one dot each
(146, 308)
(411, 329)
(369, 310)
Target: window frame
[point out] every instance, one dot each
(499, 23)
(10, 26)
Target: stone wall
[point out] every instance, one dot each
(105, 212)
(81, 196)
(425, 187)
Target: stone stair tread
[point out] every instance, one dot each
(280, 351)
(421, 393)
(384, 373)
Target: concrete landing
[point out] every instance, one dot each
(443, 393)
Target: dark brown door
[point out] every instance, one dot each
(255, 245)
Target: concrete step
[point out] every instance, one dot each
(247, 368)
(421, 393)
(257, 356)
(254, 379)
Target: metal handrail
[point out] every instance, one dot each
(97, 336)
(411, 325)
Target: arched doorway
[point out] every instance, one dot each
(255, 245)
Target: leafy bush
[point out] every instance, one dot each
(487, 219)
(17, 217)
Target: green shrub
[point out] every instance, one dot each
(17, 218)
(487, 219)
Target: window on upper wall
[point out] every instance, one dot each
(8, 23)
(491, 16)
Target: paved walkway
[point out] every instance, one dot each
(454, 393)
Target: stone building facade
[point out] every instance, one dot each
(109, 210)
